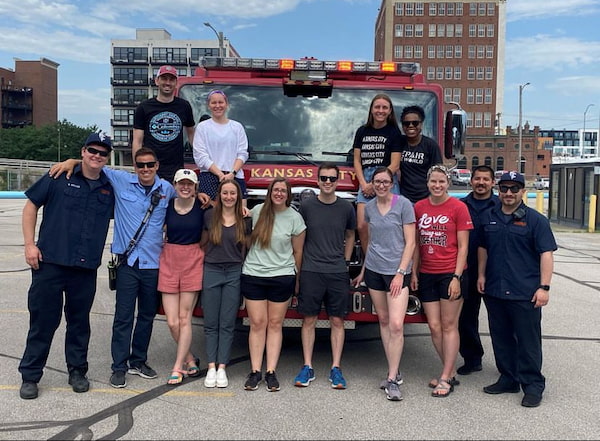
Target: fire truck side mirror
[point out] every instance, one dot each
(455, 134)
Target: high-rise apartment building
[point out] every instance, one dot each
(459, 45)
(29, 93)
(134, 64)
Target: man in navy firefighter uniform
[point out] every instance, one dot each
(64, 262)
(515, 270)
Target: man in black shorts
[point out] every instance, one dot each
(330, 232)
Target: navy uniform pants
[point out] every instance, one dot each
(516, 332)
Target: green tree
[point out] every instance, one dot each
(60, 140)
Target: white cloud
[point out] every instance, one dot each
(540, 9)
(85, 107)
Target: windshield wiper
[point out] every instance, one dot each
(302, 156)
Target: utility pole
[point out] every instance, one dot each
(219, 35)
(519, 162)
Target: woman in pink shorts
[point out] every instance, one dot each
(181, 269)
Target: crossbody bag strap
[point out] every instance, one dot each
(154, 200)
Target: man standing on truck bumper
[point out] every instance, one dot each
(330, 232)
(158, 123)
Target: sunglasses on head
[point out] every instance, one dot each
(328, 178)
(93, 151)
(513, 188)
(150, 164)
(411, 123)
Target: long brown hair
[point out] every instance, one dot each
(215, 229)
(391, 119)
(262, 232)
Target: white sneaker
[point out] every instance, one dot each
(211, 378)
(222, 380)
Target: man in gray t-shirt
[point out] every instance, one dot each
(330, 233)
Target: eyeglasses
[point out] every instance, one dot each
(514, 189)
(145, 164)
(385, 183)
(280, 190)
(93, 151)
(328, 178)
(411, 123)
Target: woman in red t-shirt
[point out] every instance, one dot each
(440, 260)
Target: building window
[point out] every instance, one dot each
(470, 95)
(450, 9)
(432, 30)
(482, 9)
(456, 95)
(409, 9)
(430, 51)
(408, 51)
(479, 96)
(457, 72)
(458, 51)
(488, 145)
(130, 54)
(474, 161)
(449, 30)
(459, 8)
(399, 9)
(398, 51)
(197, 53)
(481, 30)
(491, 9)
(440, 51)
(489, 52)
(447, 94)
(131, 75)
(487, 120)
(480, 72)
(500, 163)
(399, 30)
(448, 73)
(431, 73)
(488, 161)
(441, 30)
(124, 115)
(408, 30)
(419, 9)
(472, 50)
(480, 51)
(439, 74)
(449, 51)
(432, 9)
(471, 73)
(458, 30)
(488, 95)
(418, 30)
(475, 145)
(472, 31)
(472, 9)
(121, 136)
(489, 73)
(418, 51)
(441, 9)
(490, 30)
(169, 55)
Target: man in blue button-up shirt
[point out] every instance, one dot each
(64, 262)
(515, 269)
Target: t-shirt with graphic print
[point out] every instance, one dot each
(376, 145)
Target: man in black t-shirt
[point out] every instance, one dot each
(159, 122)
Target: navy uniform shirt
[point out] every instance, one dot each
(514, 247)
(76, 216)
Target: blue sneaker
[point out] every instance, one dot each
(304, 377)
(337, 379)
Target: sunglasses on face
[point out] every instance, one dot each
(150, 164)
(328, 178)
(514, 189)
(411, 123)
(93, 151)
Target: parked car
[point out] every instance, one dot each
(499, 174)
(461, 176)
(541, 183)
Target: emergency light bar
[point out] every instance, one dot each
(311, 64)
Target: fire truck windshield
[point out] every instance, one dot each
(284, 129)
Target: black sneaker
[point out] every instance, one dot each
(118, 380)
(271, 380)
(253, 380)
(143, 371)
(79, 381)
(29, 390)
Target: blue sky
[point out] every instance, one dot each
(552, 44)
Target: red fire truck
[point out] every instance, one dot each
(299, 113)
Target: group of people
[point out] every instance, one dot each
(182, 233)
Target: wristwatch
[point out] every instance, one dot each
(457, 277)
(544, 287)
(401, 271)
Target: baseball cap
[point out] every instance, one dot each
(186, 173)
(512, 176)
(166, 70)
(99, 139)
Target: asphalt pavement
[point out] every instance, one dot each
(148, 409)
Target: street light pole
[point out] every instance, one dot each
(219, 37)
(583, 134)
(521, 87)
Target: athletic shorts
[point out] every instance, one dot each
(180, 268)
(274, 289)
(434, 287)
(330, 288)
(382, 282)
